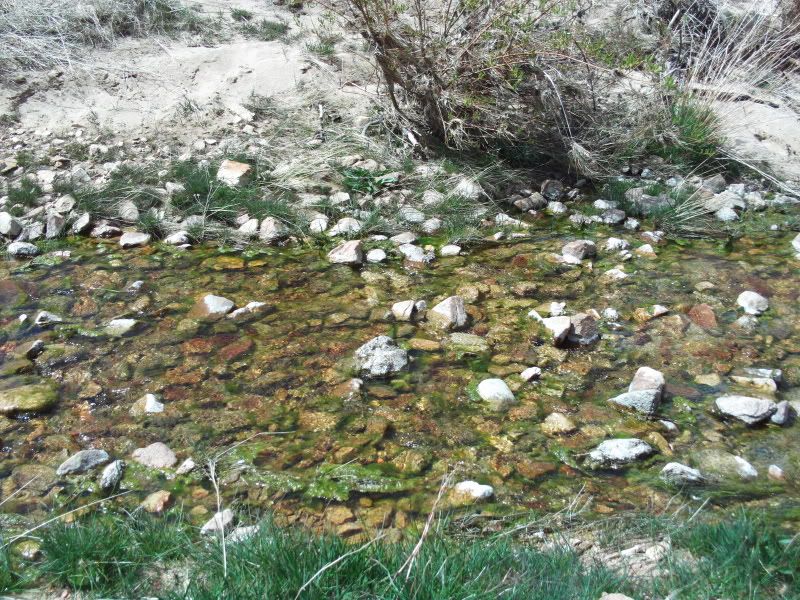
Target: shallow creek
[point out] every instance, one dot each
(383, 450)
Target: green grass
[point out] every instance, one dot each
(265, 30)
(26, 194)
(119, 555)
(241, 15)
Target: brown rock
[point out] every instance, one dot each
(338, 515)
(531, 469)
(703, 316)
(236, 349)
(157, 502)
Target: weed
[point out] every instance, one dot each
(364, 181)
(324, 45)
(26, 194)
(26, 159)
(241, 15)
(265, 30)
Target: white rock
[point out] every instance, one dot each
(415, 254)
(559, 327)
(272, 230)
(557, 208)
(615, 244)
(217, 305)
(631, 224)
(156, 456)
(752, 303)
(469, 189)
(220, 522)
(432, 197)
(179, 238)
(579, 249)
(347, 253)
(187, 466)
(431, 226)
(376, 255)
(453, 250)
(233, 173)
(474, 490)
(151, 404)
(248, 309)
(22, 250)
(610, 314)
(411, 215)
(775, 472)
(678, 474)
(133, 239)
(318, 224)
(744, 469)
(648, 379)
(616, 454)
(615, 275)
(81, 224)
(531, 373)
(46, 318)
(404, 311)
(750, 411)
(796, 243)
(380, 357)
(449, 313)
(112, 475)
(119, 327)
(249, 228)
(128, 211)
(407, 237)
(726, 214)
(9, 226)
(344, 226)
(783, 414)
(496, 393)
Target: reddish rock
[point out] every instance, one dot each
(236, 349)
(197, 346)
(703, 316)
(531, 469)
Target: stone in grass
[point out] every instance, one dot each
(750, 411)
(376, 255)
(220, 522)
(234, 173)
(9, 225)
(156, 455)
(644, 402)
(678, 474)
(380, 357)
(83, 461)
(496, 393)
(618, 454)
(348, 253)
(448, 314)
(753, 303)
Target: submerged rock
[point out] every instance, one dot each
(119, 327)
(449, 313)
(558, 424)
(83, 461)
(213, 306)
(750, 411)
(718, 465)
(22, 250)
(36, 397)
(381, 357)
(678, 474)
(619, 453)
(496, 393)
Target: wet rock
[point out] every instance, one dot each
(36, 397)
(9, 225)
(83, 461)
(753, 303)
(558, 424)
(82, 224)
(381, 357)
(112, 475)
(156, 455)
(619, 453)
(718, 465)
(783, 414)
(348, 253)
(415, 254)
(450, 250)
(251, 308)
(579, 249)
(756, 380)
(30, 350)
(644, 402)
(234, 173)
(678, 474)
(531, 374)
(146, 405)
(648, 379)
(750, 411)
(157, 502)
(560, 328)
(179, 238)
(584, 330)
(46, 318)
(405, 310)
(213, 306)
(272, 230)
(105, 231)
(496, 393)
(703, 316)
(448, 314)
(376, 255)
(22, 250)
(775, 473)
(467, 342)
(119, 327)
(471, 491)
(221, 521)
